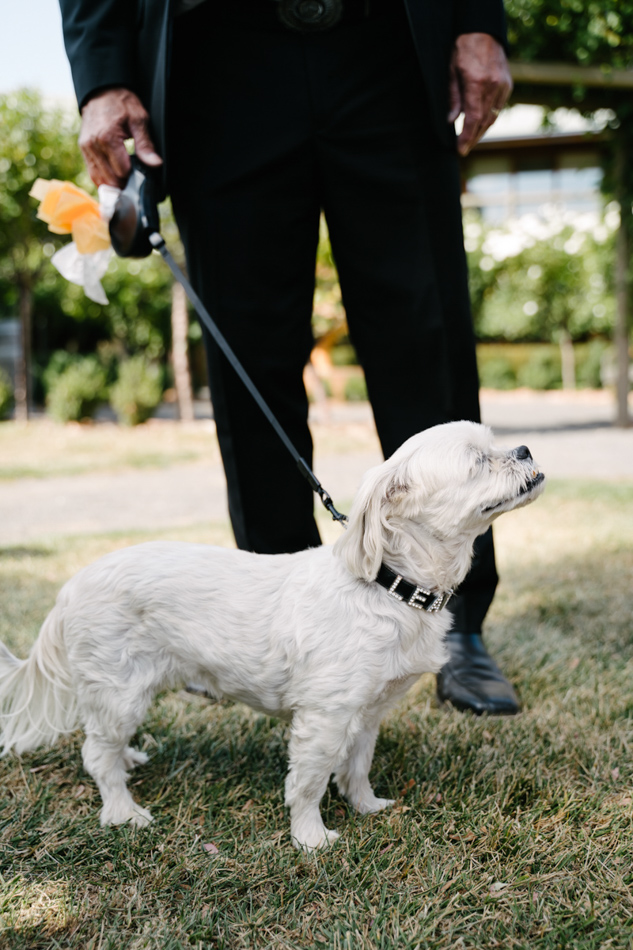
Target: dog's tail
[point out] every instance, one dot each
(38, 702)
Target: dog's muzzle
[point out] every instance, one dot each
(310, 16)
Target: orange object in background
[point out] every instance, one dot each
(68, 209)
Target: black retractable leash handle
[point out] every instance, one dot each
(135, 232)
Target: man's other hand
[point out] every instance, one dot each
(479, 85)
(107, 120)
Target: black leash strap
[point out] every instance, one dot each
(158, 243)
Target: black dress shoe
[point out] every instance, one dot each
(471, 680)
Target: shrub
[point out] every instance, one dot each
(76, 392)
(589, 364)
(542, 370)
(6, 395)
(60, 361)
(538, 275)
(343, 354)
(505, 365)
(497, 373)
(137, 391)
(356, 389)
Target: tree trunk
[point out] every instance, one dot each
(567, 360)
(622, 294)
(23, 383)
(180, 355)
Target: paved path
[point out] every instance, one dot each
(570, 436)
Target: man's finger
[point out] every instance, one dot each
(106, 165)
(99, 169)
(470, 134)
(481, 121)
(477, 106)
(115, 156)
(143, 144)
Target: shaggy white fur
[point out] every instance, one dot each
(308, 637)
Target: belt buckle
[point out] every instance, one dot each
(310, 16)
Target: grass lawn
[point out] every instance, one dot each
(507, 833)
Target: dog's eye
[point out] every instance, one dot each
(478, 462)
(476, 454)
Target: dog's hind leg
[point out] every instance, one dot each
(133, 757)
(107, 756)
(317, 744)
(352, 777)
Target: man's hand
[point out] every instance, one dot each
(479, 85)
(108, 119)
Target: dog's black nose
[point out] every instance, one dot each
(522, 452)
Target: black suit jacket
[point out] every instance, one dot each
(127, 42)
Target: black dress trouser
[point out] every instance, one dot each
(268, 127)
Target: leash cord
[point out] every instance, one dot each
(158, 243)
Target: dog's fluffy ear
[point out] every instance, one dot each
(362, 545)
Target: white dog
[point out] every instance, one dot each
(329, 638)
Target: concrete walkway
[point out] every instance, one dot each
(569, 434)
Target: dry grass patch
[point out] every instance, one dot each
(44, 449)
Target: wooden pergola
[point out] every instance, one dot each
(537, 84)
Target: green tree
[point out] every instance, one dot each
(572, 31)
(35, 142)
(39, 142)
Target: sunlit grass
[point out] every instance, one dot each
(45, 449)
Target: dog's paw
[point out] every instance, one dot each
(372, 805)
(132, 757)
(316, 841)
(141, 818)
(137, 817)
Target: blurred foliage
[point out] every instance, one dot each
(587, 32)
(78, 390)
(355, 389)
(328, 312)
(39, 142)
(60, 361)
(35, 142)
(538, 365)
(344, 354)
(590, 363)
(535, 279)
(496, 372)
(6, 394)
(542, 371)
(137, 390)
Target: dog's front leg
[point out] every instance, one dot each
(318, 742)
(352, 778)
